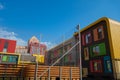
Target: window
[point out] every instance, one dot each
(85, 72)
(56, 53)
(70, 57)
(61, 51)
(107, 64)
(5, 58)
(86, 53)
(66, 58)
(98, 33)
(65, 49)
(88, 38)
(52, 55)
(5, 47)
(13, 59)
(98, 50)
(68, 47)
(99, 30)
(96, 66)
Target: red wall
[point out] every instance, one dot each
(11, 45)
(1, 44)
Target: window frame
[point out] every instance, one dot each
(85, 72)
(107, 58)
(6, 44)
(102, 50)
(96, 33)
(88, 37)
(100, 33)
(97, 47)
(86, 53)
(85, 37)
(92, 66)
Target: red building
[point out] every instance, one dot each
(7, 45)
(43, 49)
(34, 47)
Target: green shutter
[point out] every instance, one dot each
(102, 49)
(91, 51)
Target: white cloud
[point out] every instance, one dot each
(12, 36)
(49, 44)
(1, 6)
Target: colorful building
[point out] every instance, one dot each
(71, 59)
(7, 45)
(100, 50)
(7, 52)
(36, 49)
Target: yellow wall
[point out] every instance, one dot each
(116, 67)
(39, 58)
(114, 37)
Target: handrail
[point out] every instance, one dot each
(59, 59)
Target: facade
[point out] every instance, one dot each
(69, 60)
(21, 49)
(36, 49)
(7, 45)
(100, 50)
(9, 58)
(7, 50)
(43, 49)
(27, 58)
(34, 46)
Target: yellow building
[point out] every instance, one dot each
(101, 49)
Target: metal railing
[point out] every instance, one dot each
(48, 70)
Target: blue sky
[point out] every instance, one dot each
(21, 19)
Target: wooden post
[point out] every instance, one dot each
(60, 73)
(49, 73)
(70, 73)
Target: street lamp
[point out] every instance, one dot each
(78, 28)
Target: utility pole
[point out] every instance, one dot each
(79, 48)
